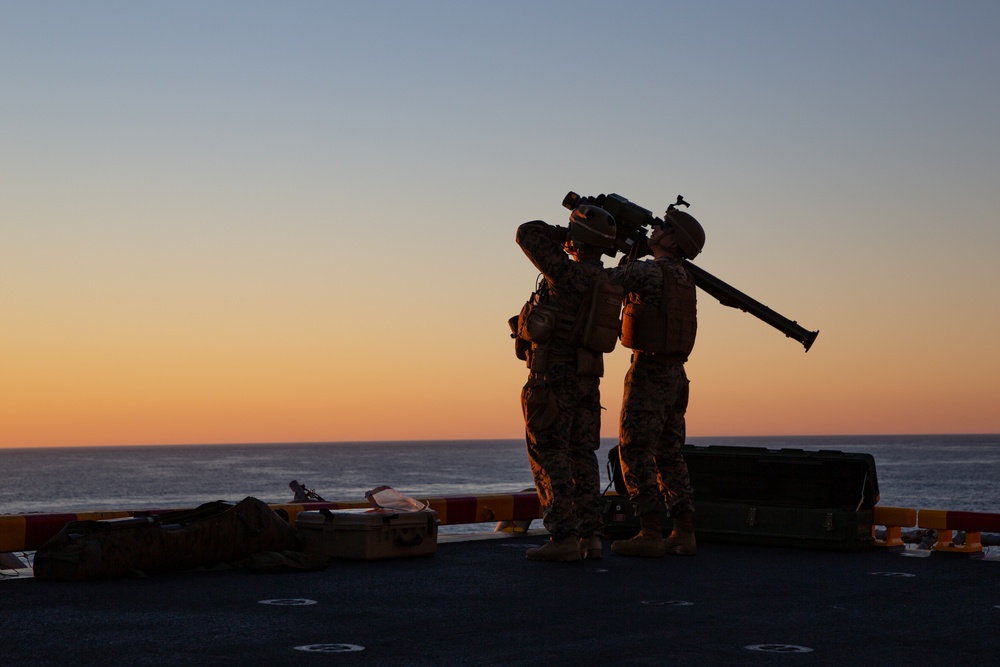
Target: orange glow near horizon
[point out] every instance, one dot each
(314, 381)
(95, 399)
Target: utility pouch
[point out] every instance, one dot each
(604, 323)
(644, 328)
(589, 362)
(537, 322)
(521, 346)
(541, 409)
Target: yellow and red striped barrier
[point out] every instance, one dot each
(894, 519)
(27, 532)
(946, 523)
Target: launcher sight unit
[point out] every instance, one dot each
(632, 222)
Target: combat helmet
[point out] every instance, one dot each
(592, 226)
(688, 232)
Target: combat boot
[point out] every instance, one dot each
(566, 549)
(590, 548)
(681, 540)
(649, 543)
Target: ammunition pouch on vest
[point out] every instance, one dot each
(667, 329)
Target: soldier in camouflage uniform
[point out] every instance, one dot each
(561, 399)
(659, 324)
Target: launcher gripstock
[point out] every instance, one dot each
(632, 221)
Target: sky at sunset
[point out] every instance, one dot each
(285, 222)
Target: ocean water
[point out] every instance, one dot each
(952, 472)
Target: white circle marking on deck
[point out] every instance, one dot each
(892, 574)
(778, 648)
(288, 602)
(330, 648)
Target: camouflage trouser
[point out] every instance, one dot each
(652, 432)
(563, 431)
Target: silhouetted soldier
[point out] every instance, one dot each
(659, 324)
(561, 399)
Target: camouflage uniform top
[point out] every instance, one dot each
(567, 282)
(643, 279)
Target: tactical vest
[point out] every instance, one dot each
(596, 326)
(669, 328)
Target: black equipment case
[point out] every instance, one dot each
(784, 497)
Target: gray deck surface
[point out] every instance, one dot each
(482, 603)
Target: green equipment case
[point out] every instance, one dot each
(778, 497)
